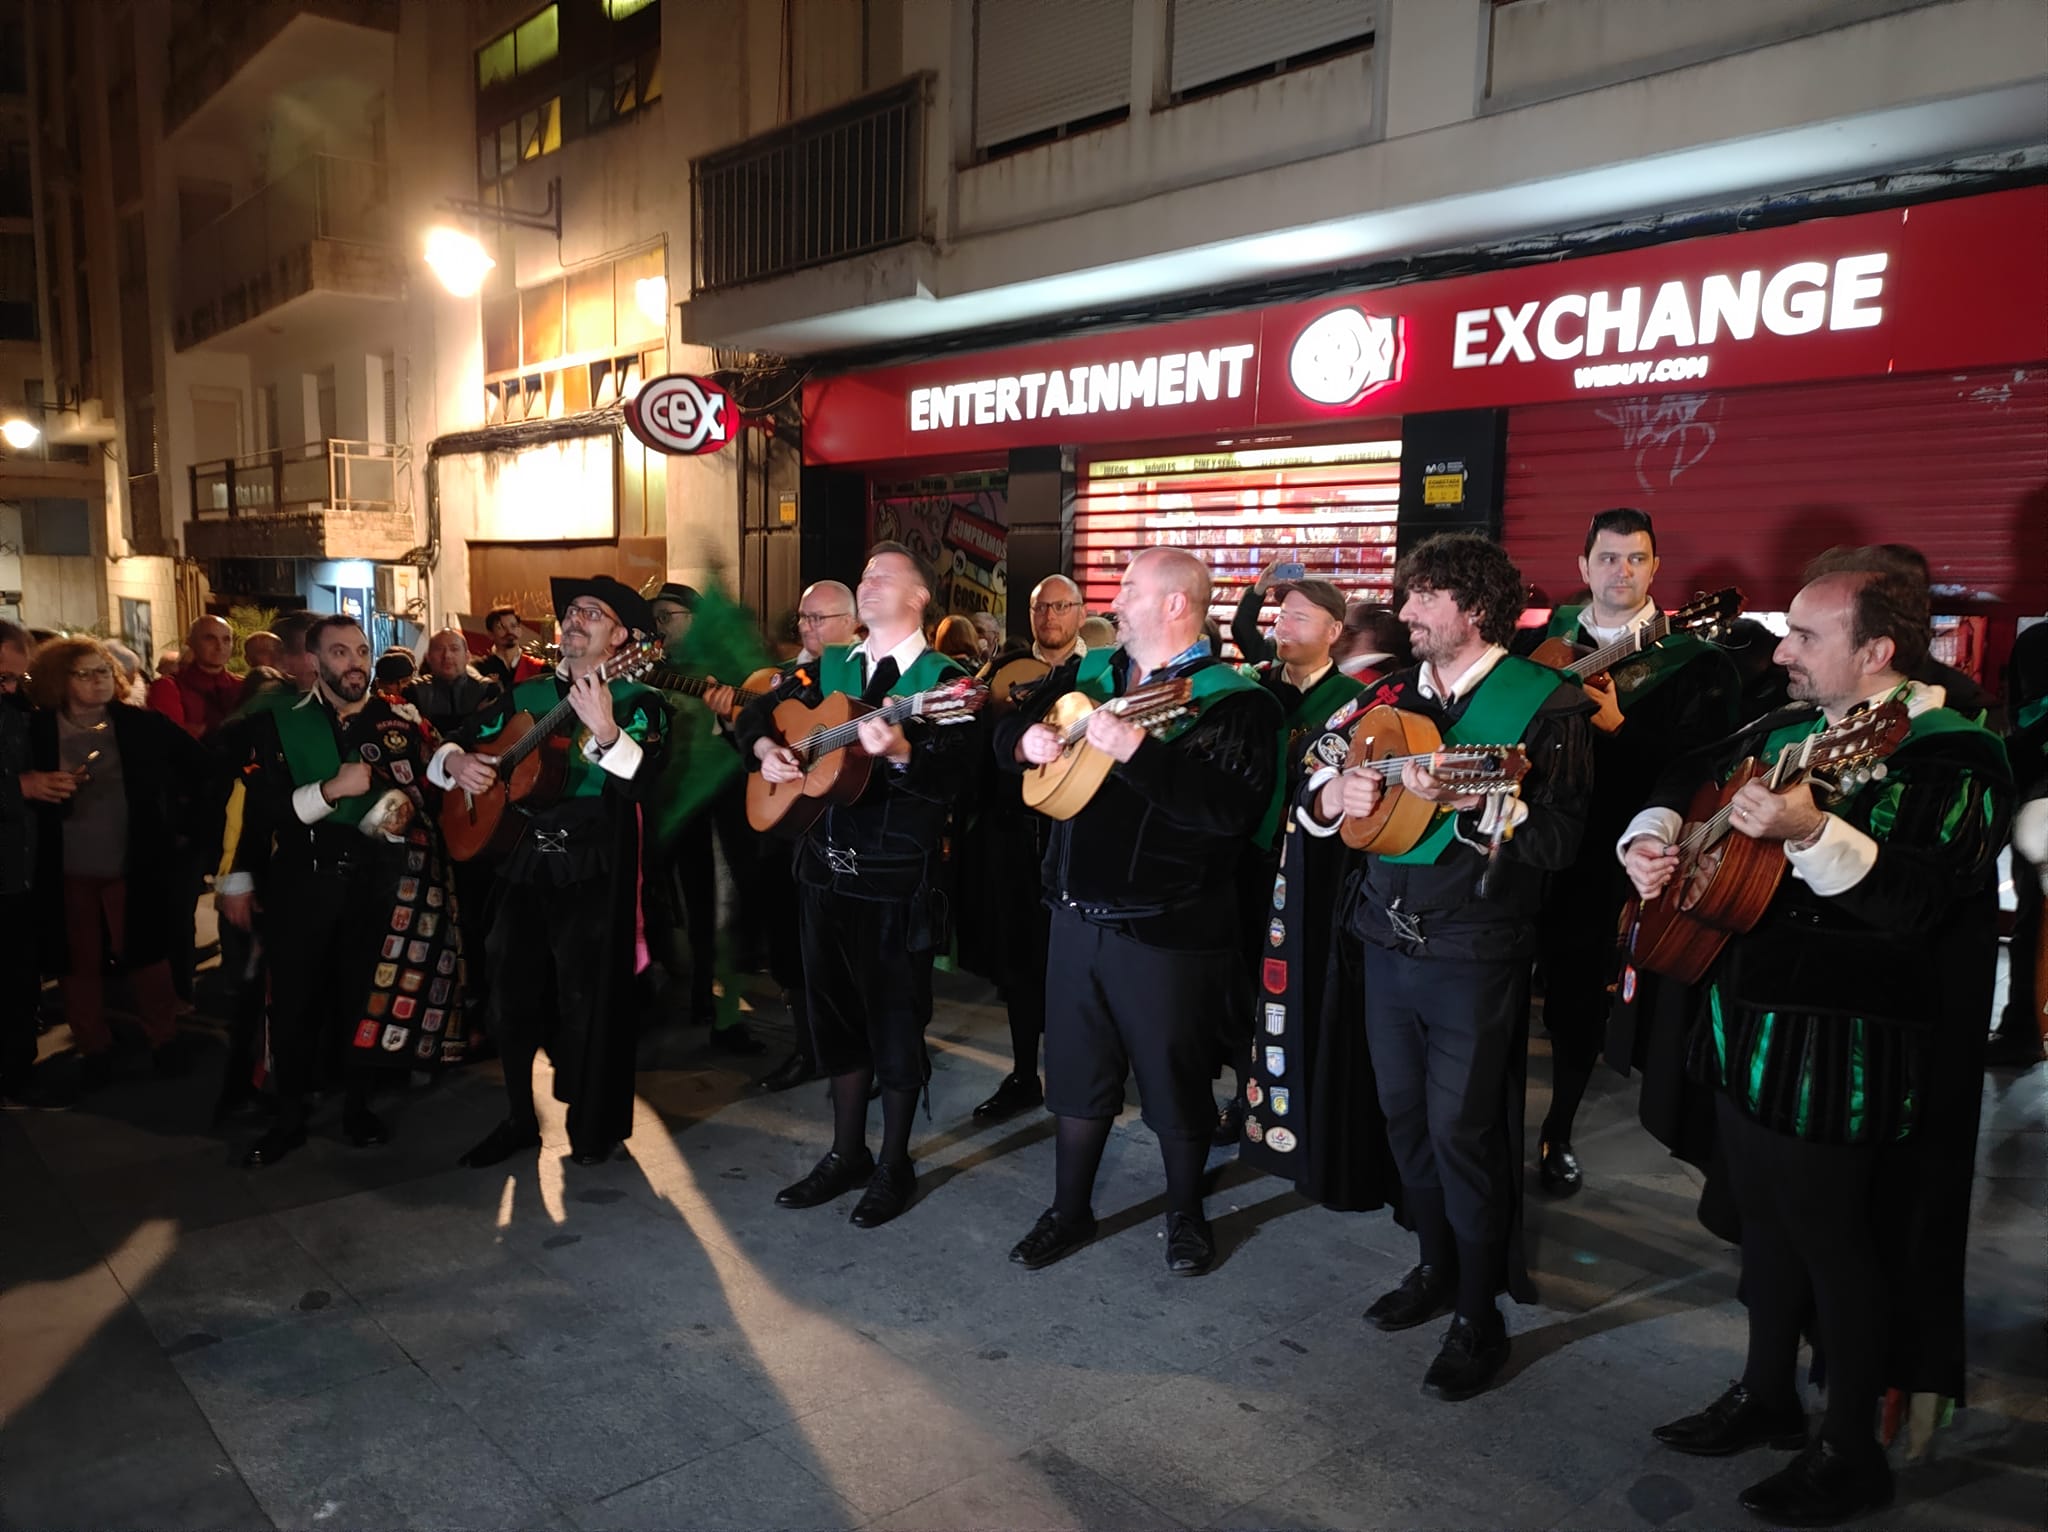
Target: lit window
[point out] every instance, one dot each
(650, 77)
(540, 130)
(540, 39)
(625, 89)
(494, 62)
(619, 10)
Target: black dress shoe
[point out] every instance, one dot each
(1017, 1093)
(834, 1174)
(1229, 1123)
(1736, 1422)
(591, 1154)
(2018, 1049)
(790, 1073)
(1472, 1354)
(889, 1192)
(736, 1041)
(275, 1145)
(1557, 1168)
(500, 1144)
(1190, 1246)
(1822, 1486)
(365, 1128)
(1051, 1239)
(1424, 1294)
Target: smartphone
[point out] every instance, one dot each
(1291, 571)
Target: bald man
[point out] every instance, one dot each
(202, 692)
(825, 619)
(448, 691)
(1012, 842)
(1144, 968)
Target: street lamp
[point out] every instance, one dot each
(461, 262)
(20, 434)
(458, 259)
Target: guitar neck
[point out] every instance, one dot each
(839, 736)
(1390, 765)
(544, 726)
(668, 680)
(1635, 642)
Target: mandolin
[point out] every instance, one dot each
(819, 736)
(1386, 740)
(1705, 616)
(1061, 788)
(1019, 671)
(532, 757)
(1725, 879)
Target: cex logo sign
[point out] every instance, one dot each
(1343, 356)
(682, 415)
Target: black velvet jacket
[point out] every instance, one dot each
(1440, 911)
(894, 828)
(1155, 852)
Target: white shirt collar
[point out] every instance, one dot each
(1313, 681)
(1080, 648)
(1426, 681)
(1629, 624)
(904, 654)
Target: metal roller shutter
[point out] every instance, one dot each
(1747, 486)
(1215, 39)
(1040, 64)
(1333, 508)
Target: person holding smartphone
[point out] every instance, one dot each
(1285, 568)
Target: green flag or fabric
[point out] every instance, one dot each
(723, 641)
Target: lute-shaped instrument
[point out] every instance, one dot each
(1705, 616)
(1386, 740)
(1725, 879)
(1061, 788)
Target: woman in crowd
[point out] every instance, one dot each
(104, 856)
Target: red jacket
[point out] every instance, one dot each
(194, 699)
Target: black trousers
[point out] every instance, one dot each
(1443, 1033)
(546, 955)
(321, 933)
(1580, 960)
(1808, 1247)
(21, 988)
(1115, 1007)
(869, 993)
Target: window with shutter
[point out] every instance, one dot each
(1218, 40)
(1043, 66)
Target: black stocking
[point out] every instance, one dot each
(1569, 1078)
(1078, 1155)
(850, 1113)
(899, 1112)
(1185, 1158)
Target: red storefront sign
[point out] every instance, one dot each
(1945, 284)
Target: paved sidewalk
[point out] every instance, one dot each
(379, 1339)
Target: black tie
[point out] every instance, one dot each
(884, 677)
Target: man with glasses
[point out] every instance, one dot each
(1013, 841)
(561, 950)
(825, 619)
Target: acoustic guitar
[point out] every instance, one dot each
(1061, 788)
(1705, 616)
(1725, 879)
(753, 689)
(532, 757)
(1386, 740)
(820, 735)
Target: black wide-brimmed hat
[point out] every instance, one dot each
(631, 608)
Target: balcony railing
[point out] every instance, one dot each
(329, 476)
(263, 251)
(839, 184)
(220, 39)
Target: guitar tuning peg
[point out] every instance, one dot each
(1879, 772)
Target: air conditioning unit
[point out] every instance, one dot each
(398, 589)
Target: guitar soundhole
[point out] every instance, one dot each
(1700, 876)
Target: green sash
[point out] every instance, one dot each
(1499, 714)
(1092, 678)
(540, 695)
(1309, 715)
(313, 756)
(839, 671)
(1923, 725)
(1640, 674)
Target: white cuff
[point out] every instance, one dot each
(2030, 831)
(235, 883)
(621, 760)
(309, 805)
(1661, 825)
(1310, 819)
(1837, 862)
(1489, 817)
(437, 768)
